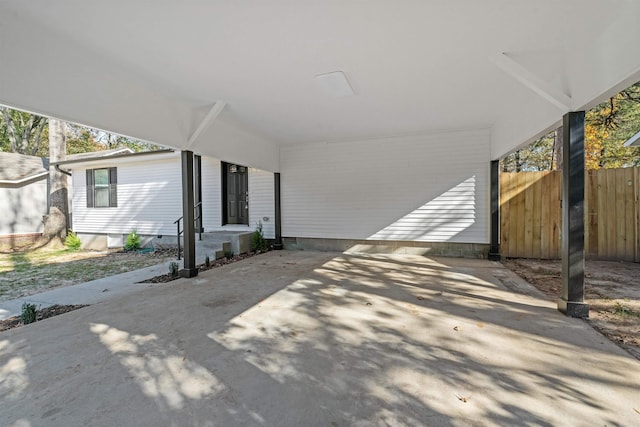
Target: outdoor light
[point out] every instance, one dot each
(335, 84)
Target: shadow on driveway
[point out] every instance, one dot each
(304, 338)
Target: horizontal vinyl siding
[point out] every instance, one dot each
(431, 188)
(149, 200)
(22, 207)
(211, 194)
(261, 201)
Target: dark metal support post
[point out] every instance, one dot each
(278, 242)
(197, 167)
(494, 249)
(189, 234)
(571, 300)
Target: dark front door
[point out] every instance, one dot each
(237, 194)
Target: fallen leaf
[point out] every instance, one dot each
(420, 298)
(369, 303)
(480, 325)
(637, 410)
(455, 328)
(462, 398)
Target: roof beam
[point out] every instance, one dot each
(213, 113)
(533, 82)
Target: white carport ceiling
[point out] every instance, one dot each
(155, 69)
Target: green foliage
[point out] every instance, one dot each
(207, 261)
(607, 127)
(133, 242)
(22, 132)
(72, 242)
(174, 269)
(258, 242)
(228, 254)
(28, 313)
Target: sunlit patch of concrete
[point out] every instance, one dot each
(168, 378)
(14, 379)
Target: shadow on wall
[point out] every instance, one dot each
(441, 219)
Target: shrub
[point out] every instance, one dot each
(258, 242)
(28, 313)
(72, 242)
(133, 242)
(174, 269)
(207, 261)
(228, 254)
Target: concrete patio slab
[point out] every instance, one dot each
(320, 339)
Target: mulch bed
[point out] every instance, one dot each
(43, 313)
(164, 278)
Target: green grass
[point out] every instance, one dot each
(27, 273)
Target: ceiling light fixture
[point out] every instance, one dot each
(335, 84)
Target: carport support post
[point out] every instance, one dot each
(494, 249)
(571, 300)
(278, 217)
(188, 226)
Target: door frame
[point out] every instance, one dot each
(225, 199)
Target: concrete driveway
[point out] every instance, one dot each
(320, 339)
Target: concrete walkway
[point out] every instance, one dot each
(91, 292)
(320, 339)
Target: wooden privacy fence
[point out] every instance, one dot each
(531, 214)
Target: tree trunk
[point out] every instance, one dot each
(55, 223)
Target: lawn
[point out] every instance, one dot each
(31, 272)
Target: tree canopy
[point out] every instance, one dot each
(607, 127)
(29, 134)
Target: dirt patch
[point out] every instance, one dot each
(44, 313)
(27, 273)
(612, 290)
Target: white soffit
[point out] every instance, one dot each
(151, 71)
(335, 84)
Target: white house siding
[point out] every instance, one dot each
(211, 194)
(261, 201)
(22, 207)
(428, 188)
(149, 199)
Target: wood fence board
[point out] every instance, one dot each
(518, 220)
(505, 230)
(601, 180)
(610, 213)
(619, 219)
(545, 220)
(591, 214)
(528, 211)
(531, 214)
(556, 215)
(629, 204)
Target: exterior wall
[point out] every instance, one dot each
(427, 188)
(22, 207)
(150, 199)
(262, 202)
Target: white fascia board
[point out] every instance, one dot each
(120, 160)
